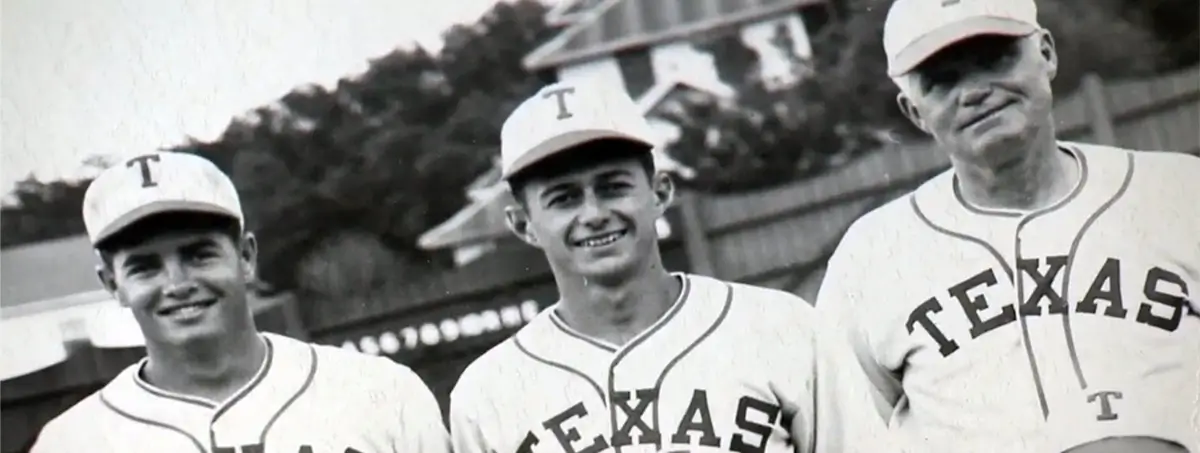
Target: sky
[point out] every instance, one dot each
(122, 77)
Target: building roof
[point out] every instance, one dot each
(47, 270)
(614, 25)
(481, 220)
(567, 12)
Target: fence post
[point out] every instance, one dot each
(1098, 115)
(695, 235)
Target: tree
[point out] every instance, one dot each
(379, 159)
(42, 211)
(846, 105)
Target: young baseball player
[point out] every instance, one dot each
(633, 358)
(1040, 296)
(169, 229)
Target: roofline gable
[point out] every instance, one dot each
(550, 54)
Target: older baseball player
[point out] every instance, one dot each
(170, 232)
(1040, 296)
(634, 358)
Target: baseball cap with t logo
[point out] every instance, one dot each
(917, 29)
(153, 184)
(564, 115)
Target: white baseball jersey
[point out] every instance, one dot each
(1032, 331)
(729, 367)
(305, 399)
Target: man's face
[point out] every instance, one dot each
(183, 285)
(984, 97)
(598, 221)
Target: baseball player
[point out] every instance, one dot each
(169, 229)
(1039, 296)
(633, 358)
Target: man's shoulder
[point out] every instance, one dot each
(89, 414)
(337, 364)
(1155, 163)
(1179, 165)
(749, 293)
(770, 306)
(491, 369)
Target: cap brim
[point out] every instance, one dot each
(160, 207)
(933, 42)
(564, 142)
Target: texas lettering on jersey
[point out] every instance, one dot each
(694, 431)
(1082, 312)
(729, 367)
(1164, 296)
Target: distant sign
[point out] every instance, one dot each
(447, 330)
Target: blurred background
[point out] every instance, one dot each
(375, 192)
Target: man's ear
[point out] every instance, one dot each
(517, 219)
(248, 252)
(910, 111)
(664, 190)
(108, 281)
(1049, 52)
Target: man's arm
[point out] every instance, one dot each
(465, 434)
(844, 409)
(420, 428)
(840, 301)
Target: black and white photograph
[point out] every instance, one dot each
(600, 226)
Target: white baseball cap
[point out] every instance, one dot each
(564, 115)
(156, 183)
(916, 29)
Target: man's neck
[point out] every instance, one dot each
(210, 368)
(1038, 179)
(617, 313)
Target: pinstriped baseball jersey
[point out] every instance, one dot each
(304, 399)
(730, 367)
(1012, 331)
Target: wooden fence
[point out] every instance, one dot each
(782, 237)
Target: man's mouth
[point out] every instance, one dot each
(985, 114)
(601, 240)
(186, 309)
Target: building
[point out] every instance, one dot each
(661, 52)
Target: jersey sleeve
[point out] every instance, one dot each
(48, 443)
(844, 289)
(844, 409)
(822, 388)
(420, 427)
(57, 438)
(465, 433)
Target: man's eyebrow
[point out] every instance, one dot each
(198, 244)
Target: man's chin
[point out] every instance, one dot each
(608, 270)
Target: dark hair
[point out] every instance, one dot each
(167, 221)
(587, 154)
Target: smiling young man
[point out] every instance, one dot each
(170, 232)
(1039, 296)
(634, 358)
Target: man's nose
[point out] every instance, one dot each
(594, 213)
(180, 284)
(974, 93)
